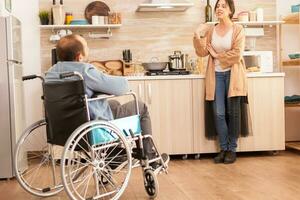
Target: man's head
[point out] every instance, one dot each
(72, 48)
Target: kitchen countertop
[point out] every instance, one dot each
(196, 76)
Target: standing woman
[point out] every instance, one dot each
(226, 83)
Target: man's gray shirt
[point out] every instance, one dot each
(95, 82)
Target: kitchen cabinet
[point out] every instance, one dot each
(201, 144)
(266, 102)
(266, 105)
(170, 107)
(177, 112)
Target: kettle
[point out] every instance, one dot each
(177, 61)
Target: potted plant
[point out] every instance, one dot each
(44, 17)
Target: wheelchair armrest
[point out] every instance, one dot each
(98, 96)
(108, 96)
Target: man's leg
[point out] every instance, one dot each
(129, 109)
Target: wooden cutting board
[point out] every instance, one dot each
(111, 67)
(97, 8)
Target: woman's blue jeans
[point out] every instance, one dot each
(226, 113)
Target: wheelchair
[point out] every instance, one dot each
(89, 159)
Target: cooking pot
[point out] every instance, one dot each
(154, 65)
(177, 61)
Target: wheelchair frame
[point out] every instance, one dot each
(127, 138)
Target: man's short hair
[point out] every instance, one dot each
(69, 47)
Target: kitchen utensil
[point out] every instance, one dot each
(112, 67)
(294, 55)
(295, 8)
(101, 20)
(58, 14)
(114, 18)
(98, 8)
(243, 16)
(95, 20)
(54, 38)
(260, 14)
(176, 61)
(155, 65)
(68, 18)
(127, 55)
(79, 22)
(252, 16)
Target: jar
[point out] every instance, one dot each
(260, 14)
(114, 18)
(243, 16)
(252, 16)
(69, 18)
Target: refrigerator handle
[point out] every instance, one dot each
(14, 62)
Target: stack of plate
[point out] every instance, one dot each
(79, 22)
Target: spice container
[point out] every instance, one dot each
(252, 16)
(69, 18)
(114, 18)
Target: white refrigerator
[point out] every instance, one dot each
(12, 116)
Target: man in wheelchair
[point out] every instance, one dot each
(72, 51)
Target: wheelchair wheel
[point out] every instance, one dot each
(104, 165)
(151, 183)
(35, 167)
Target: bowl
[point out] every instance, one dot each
(295, 8)
(155, 66)
(294, 55)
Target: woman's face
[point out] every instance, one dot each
(222, 10)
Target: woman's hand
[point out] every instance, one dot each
(201, 31)
(212, 52)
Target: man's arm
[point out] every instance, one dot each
(100, 82)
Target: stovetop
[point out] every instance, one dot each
(166, 73)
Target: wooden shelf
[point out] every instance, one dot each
(294, 62)
(293, 18)
(293, 145)
(292, 105)
(254, 23)
(80, 26)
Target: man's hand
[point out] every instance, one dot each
(212, 52)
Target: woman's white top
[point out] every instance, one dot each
(221, 44)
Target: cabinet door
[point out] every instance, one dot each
(138, 88)
(266, 101)
(170, 106)
(201, 144)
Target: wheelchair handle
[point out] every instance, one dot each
(66, 75)
(31, 77)
(70, 74)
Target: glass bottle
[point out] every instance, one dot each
(208, 12)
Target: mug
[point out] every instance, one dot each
(54, 38)
(69, 32)
(95, 20)
(101, 20)
(62, 33)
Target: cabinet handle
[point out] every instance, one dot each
(140, 91)
(149, 94)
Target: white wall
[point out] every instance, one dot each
(27, 13)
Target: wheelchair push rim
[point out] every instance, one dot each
(104, 167)
(35, 166)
